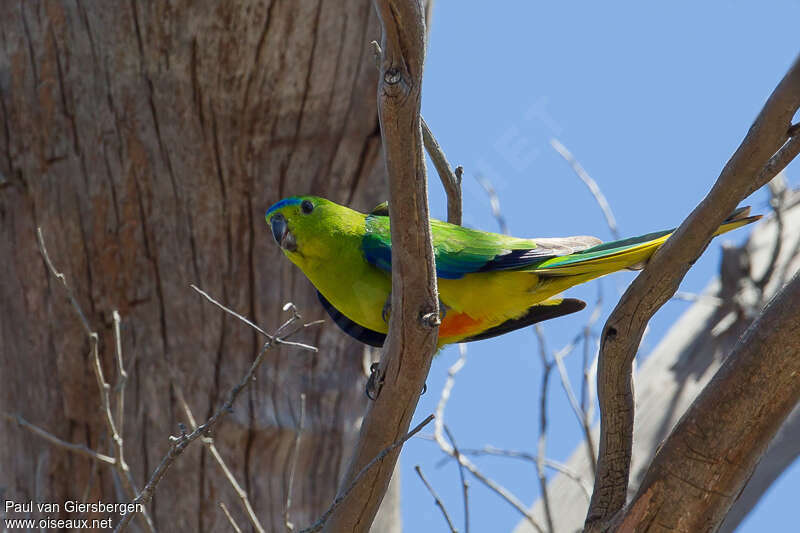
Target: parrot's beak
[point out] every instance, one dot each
(280, 230)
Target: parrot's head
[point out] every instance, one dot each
(306, 227)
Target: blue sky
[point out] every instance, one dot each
(652, 99)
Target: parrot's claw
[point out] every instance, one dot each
(387, 309)
(374, 383)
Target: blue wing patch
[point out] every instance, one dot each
(451, 262)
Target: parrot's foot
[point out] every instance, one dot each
(374, 383)
(386, 312)
(387, 309)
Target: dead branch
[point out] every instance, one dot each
(599, 197)
(414, 319)
(549, 463)
(178, 444)
(340, 499)
(703, 465)
(436, 499)
(212, 448)
(748, 169)
(295, 450)
(547, 367)
(464, 484)
(123, 471)
(494, 202)
(233, 523)
(451, 181)
(52, 439)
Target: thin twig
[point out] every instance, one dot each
(446, 390)
(451, 181)
(549, 463)
(494, 202)
(224, 508)
(576, 408)
(125, 476)
(63, 280)
(295, 452)
(590, 183)
(541, 451)
(179, 444)
(212, 448)
(464, 484)
(320, 523)
(122, 375)
(252, 324)
(502, 492)
(52, 439)
(450, 450)
(777, 190)
(436, 499)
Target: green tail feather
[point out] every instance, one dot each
(626, 253)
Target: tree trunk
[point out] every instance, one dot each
(147, 139)
(668, 381)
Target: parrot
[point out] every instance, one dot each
(489, 284)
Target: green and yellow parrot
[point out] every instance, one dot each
(489, 284)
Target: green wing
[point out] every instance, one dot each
(461, 251)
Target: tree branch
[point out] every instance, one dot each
(451, 181)
(659, 281)
(436, 499)
(704, 464)
(104, 389)
(415, 314)
(178, 444)
(342, 497)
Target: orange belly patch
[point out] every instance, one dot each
(459, 325)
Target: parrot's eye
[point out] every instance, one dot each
(306, 206)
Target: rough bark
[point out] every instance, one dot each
(147, 140)
(685, 360)
(409, 347)
(701, 468)
(748, 169)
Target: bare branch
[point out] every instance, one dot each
(494, 202)
(436, 499)
(451, 181)
(235, 526)
(122, 375)
(464, 484)
(445, 395)
(295, 450)
(254, 325)
(212, 448)
(748, 169)
(700, 470)
(583, 419)
(102, 385)
(549, 463)
(547, 366)
(323, 520)
(502, 492)
(413, 326)
(179, 444)
(52, 439)
(63, 280)
(599, 197)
